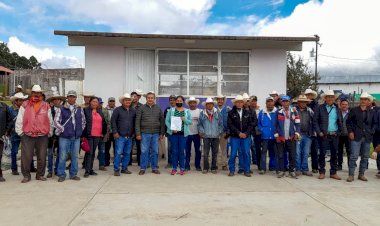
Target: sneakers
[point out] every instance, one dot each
(61, 179)
(116, 174)
(182, 172)
(126, 171)
(350, 178)
(362, 178)
(174, 172)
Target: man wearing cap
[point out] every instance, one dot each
(266, 122)
(193, 137)
(344, 142)
(111, 141)
(136, 96)
(56, 102)
(240, 127)
(287, 133)
(17, 101)
(172, 102)
(361, 126)
(34, 124)
(149, 129)
(223, 109)
(5, 119)
(102, 142)
(123, 129)
(306, 128)
(312, 95)
(210, 126)
(328, 126)
(69, 122)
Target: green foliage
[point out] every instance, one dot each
(14, 61)
(299, 76)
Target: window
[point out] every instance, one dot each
(196, 72)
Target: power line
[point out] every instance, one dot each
(345, 58)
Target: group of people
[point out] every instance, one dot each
(286, 130)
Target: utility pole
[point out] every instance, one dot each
(316, 60)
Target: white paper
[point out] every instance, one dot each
(176, 123)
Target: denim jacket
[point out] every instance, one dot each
(210, 129)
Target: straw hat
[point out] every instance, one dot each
(18, 96)
(192, 99)
(310, 91)
(208, 101)
(303, 98)
(274, 92)
(366, 95)
(237, 98)
(125, 96)
(329, 93)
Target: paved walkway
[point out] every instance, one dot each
(193, 199)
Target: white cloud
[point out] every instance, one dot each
(277, 2)
(5, 6)
(48, 57)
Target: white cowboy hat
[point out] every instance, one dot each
(88, 94)
(37, 89)
(220, 96)
(146, 94)
(125, 96)
(18, 96)
(329, 93)
(139, 92)
(274, 92)
(208, 101)
(19, 87)
(192, 99)
(302, 98)
(310, 91)
(245, 96)
(237, 98)
(366, 95)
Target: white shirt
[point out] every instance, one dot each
(240, 111)
(193, 128)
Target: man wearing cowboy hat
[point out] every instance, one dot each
(69, 122)
(5, 119)
(210, 127)
(328, 126)
(56, 101)
(240, 127)
(313, 104)
(86, 97)
(17, 101)
(123, 129)
(306, 115)
(136, 96)
(223, 109)
(193, 136)
(34, 124)
(361, 126)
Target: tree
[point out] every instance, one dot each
(13, 61)
(299, 76)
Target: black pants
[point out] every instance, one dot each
(256, 150)
(344, 142)
(212, 143)
(138, 154)
(90, 155)
(324, 142)
(109, 143)
(283, 148)
(314, 153)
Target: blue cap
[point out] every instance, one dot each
(285, 98)
(100, 100)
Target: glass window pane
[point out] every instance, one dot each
(234, 88)
(234, 78)
(241, 70)
(172, 68)
(203, 58)
(202, 84)
(235, 59)
(172, 57)
(172, 84)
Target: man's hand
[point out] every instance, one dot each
(116, 136)
(138, 137)
(242, 135)
(374, 155)
(321, 134)
(351, 136)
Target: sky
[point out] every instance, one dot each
(350, 37)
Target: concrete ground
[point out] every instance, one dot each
(192, 199)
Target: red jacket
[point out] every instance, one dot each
(36, 123)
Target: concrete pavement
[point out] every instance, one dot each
(192, 199)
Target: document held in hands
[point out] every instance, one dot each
(176, 123)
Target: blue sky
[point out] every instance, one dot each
(28, 25)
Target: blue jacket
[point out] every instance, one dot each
(266, 122)
(211, 129)
(294, 127)
(188, 121)
(224, 113)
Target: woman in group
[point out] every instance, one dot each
(179, 135)
(96, 128)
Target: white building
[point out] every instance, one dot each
(351, 83)
(184, 64)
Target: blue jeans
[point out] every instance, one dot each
(68, 147)
(102, 152)
(268, 146)
(149, 143)
(197, 143)
(50, 155)
(302, 154)
(123, 146)
(178, 143)
(241, 164)
(244, 146)
(359, 148)
(15, 145)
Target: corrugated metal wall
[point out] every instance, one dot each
(140, 70)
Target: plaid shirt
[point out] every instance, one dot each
(58, 124)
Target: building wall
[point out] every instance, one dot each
(353, 87)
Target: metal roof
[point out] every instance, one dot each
(349, 79)
(4, 69)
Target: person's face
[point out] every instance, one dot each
(179, 100)
(19, 102)
(172, 102)
(136, 98)
(193, 105)
(127, 102)
(209, 106)
(36, 94)
(149, 99)
(364, 102)
(309, 96)
(302, 104)
(246, 104)
(253, 103)
(270, 104)
(94, 104)
(344, 105)
(86, 99)
(220, 101)
(285, 104)
(111, 103)
(330, 100)
(57, 102)
(71, 100)
(239, 104)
